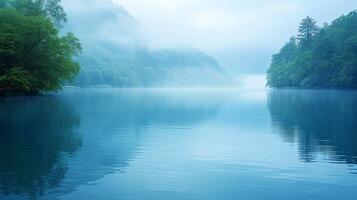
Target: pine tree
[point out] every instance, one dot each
(307, 30)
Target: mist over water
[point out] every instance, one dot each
(172, 102)
(179, 144)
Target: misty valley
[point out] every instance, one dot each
(115, 54)
(178, 100)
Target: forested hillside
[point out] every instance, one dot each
(115, 53)
(123, 66)
(319, 57)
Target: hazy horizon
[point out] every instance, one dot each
(178, 99)
(242, 36)
(237, 33)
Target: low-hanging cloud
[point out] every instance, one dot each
(221, 27)
(213, 24)
(241, 34)
(98, 20)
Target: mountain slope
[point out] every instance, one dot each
(115, 52)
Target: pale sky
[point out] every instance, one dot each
(240, 34)
(212, 24)
(223, 27)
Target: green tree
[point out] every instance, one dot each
(325, 58)
(50, 9)
(280, 67)
(34, 58)
(307, 30)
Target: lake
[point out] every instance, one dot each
(175, 144)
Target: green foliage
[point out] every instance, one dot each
(307, 30)
(50, 9)
(123, 66)
(33, 57)
(320, 58)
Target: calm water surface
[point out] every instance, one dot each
(179, 144)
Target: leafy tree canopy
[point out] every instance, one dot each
(319, 57)
(34, 58)
(50, 9)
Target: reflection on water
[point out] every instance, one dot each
(34, 135)
(319, 121)
(179, 144)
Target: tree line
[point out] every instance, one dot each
(318, 57)
(34, 56)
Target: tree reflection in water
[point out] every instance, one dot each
(35, 133)
(318, 121)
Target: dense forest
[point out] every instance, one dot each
(319, 57)
(34, 56)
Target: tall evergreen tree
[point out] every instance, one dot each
(307, 30)
(323, 58)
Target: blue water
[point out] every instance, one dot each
(199, 144)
